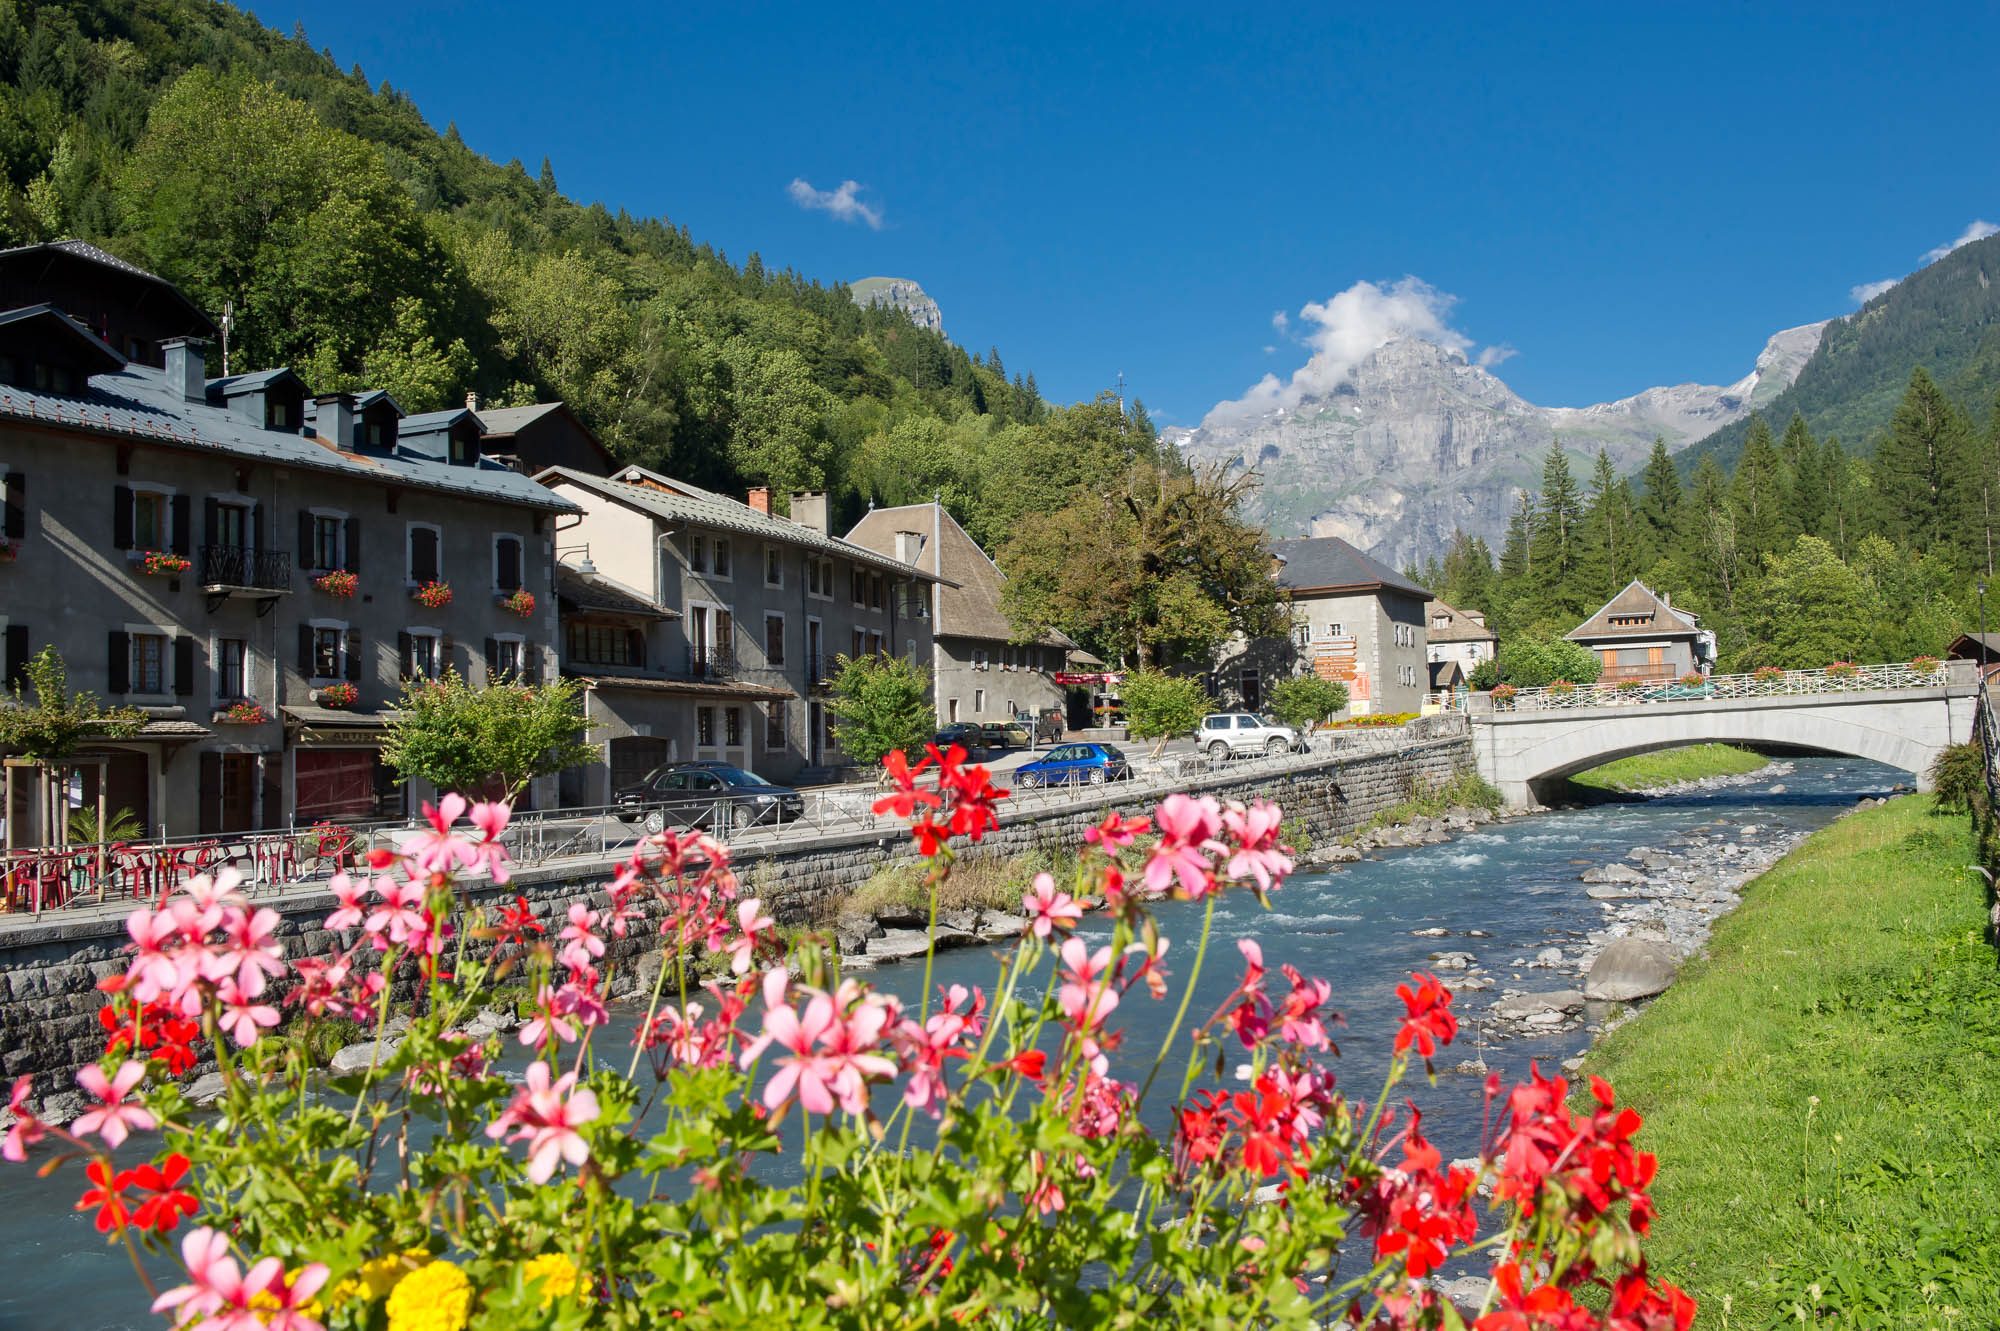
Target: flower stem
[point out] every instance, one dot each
(1187, 997)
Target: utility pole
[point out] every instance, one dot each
(228, 322)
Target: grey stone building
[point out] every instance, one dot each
(171, 535)
(980, 670)
(731, 621)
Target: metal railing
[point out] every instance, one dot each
(711, 663)
(1779, 684)
(70, 878)
(240, 566)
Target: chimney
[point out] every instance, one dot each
(909, 545)
(336, 418)
(809, 510)
(759, 498)
(186, 369)
(471, 401)
(1667, 600)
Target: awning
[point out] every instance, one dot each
(337, 725)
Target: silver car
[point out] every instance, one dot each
(1226, 734)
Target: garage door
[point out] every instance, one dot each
(633, 757)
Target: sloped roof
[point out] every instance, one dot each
(235, 385)
(1327, 564)
(1446, 674)
(61, 325)
(89, 253)
(678, 501)
(969, 609)
(1636, 601)
(1461, 627)
(594, 591)
(137, 402)
(507, 420)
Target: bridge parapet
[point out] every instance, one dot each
(1954, 676)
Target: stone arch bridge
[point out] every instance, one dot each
(1900, 715)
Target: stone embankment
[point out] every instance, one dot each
(49, 967)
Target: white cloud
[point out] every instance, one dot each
(1281, 321)
(1270, 350)
(843, 203)
(1493, 355)
(1343, 330)
(1977, 229)
(1868, 291)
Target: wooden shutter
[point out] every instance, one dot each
(510, 564)
(636, 644)
(306, 662)
(17, 656)
(119, 664)
(184, 666)
(17, 505)
(353, 656)
(402, 656)
(353, 551)
(307, 559)
(256, 526)
(209, 521)
(492, 658)
(121, 517)
(182, 508)
(273, 812)
(423, 554)
(211, 794)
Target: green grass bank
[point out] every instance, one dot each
(1647, 771)
(1823, 1089)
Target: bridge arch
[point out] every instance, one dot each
(1529, 763)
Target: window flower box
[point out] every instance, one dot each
(1628, 686)
(163, 563)
(519, 602)
(9, 549)
(336, 695)
(246, 713)
(338, 583)
(432, 595)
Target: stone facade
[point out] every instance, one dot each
(49, 967)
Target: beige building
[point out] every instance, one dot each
(980, 670)
(1638, 634)
(1456, 641)
(732, 619)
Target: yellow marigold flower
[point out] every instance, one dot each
(559, 1276)
(436, 1297)
(377, 1276)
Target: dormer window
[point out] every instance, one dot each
(278, 416)
(377, 436)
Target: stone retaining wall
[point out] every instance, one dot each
(49, 968)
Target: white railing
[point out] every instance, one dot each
(1779, 684)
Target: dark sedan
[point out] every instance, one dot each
(706, 795)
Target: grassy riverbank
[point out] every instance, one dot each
(1823, 1089)
(1648, 771)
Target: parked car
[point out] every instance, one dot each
(1050, 725)
(968, 735)
(1006, 734)
(706, 795)
(1074, 764)
(1222, 734)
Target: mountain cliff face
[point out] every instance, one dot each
(900, 293)
(1417, 440)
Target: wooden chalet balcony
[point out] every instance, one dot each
(1645, 672)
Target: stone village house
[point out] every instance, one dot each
(980, 670)
(705, 627)
(123, 461)
(1354, 619)
(1638, 634)
(1455, 642)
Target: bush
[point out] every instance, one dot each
(1306, 701)
(1958, 778)
(1484, 675)
(1160, 706)
(1533, 663)
(461, 738)
(881, 704)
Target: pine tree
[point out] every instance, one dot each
(1556, 544)
(1798, 441)
(1606, 546)
(1465, 578)
(1757, 497)
(1809, 489)
(1708, 545)
(1926, 494)
(1515, 557)
(1660, 506)
(1837, 519)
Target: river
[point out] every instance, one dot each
(1503, 892)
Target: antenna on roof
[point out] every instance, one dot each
(1121, 392)
(228, 322)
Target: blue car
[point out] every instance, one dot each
(1074, 765)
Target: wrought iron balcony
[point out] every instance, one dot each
(235, 570)
(711, 663)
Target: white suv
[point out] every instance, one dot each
(1224, 733)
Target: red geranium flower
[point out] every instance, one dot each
(896, 765)
(107, 1194)
(168, 1203)
(1429, 1022)
(518, 920)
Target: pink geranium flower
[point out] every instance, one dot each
(1049, 907)
(1185, 852)
(1086, 997)
(242, 1016)
(581, 945)
(547, 1115)
(155, 970)
(352, 909)
(215, 1281)
(755, 926)
(26, 1129)
(1116, 832)
(491, 820)
(1256, 852)
(400, 916)
(441, 850)
(249, 950)
(113, 1117)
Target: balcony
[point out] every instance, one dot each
(711, 663)
(235, 572)
(819, 672)
(1646, 672)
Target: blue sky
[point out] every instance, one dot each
(1612, 200)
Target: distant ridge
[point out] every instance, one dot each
(900, 293)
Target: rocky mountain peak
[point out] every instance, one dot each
(900, 293)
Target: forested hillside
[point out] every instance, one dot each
(359, 245)
(1945, 317)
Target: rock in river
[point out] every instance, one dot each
(1612, 873)
(1520, 1007)
(1630, 968)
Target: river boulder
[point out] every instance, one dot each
(1612, 873)
(1521, 1007)
(1631, 968)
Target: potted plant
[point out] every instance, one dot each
(1561, 688)
(1925, 665)
(1503, 696)
(1842, 670)
(432, 595)
(1768, 674)
(338, 583)
(1693, 679)
(9, 548)
(246, 713)
(1629, 686)
(520, 602)
(163, 563)
(337, 695)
